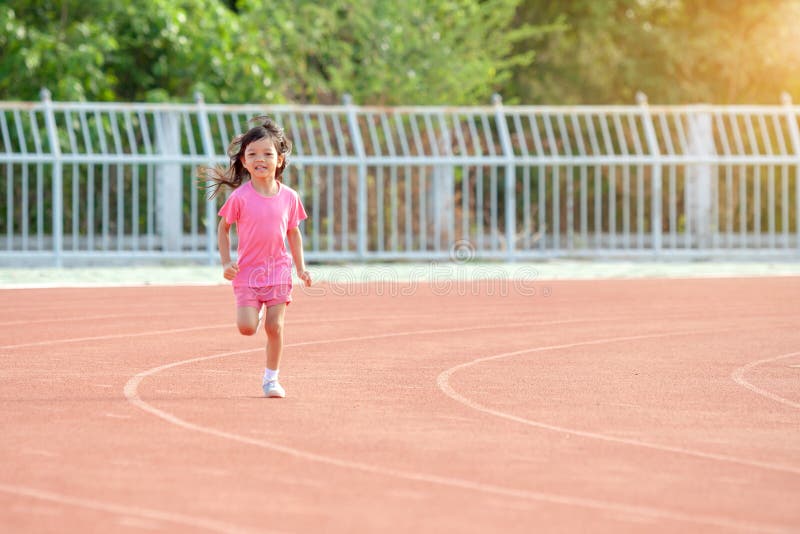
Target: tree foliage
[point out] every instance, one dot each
(382, 52)
(41, 46)
(412, 52)
(144, 50)
(675, 51)
(737, 51)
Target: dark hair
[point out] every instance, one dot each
(235, 174)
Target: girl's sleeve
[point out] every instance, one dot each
(230, 210)
(297, 213)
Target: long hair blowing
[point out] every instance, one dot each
(235, 174)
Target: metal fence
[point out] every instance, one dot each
(114, 182)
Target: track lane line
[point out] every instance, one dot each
(443, 382)
(124, 510)
(231, 325)
(132, 395)
(738, 377)
(310, 321)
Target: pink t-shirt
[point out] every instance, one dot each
(262, 223)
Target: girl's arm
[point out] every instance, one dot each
(224, 243)
(295, 239)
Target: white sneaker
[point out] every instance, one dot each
(273, 389)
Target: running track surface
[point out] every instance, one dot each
(607, 406)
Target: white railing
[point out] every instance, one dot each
(110, 182)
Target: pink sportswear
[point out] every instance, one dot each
(261, 224)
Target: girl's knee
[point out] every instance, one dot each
(274, 328)
(247, 329)
(247, 320)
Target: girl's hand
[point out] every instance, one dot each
(305, 276)
(231, 269)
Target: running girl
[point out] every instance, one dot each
(266, 212)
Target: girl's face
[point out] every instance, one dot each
(261, 159)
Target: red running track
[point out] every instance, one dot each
(603, 406)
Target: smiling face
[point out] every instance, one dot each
(261, 159)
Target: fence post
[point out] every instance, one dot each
(510, 197)
(58, 179)
(701, 146)
(211, 204)
(442, 208)
(169, 193)
(655, 152)
(794, 135)
(358, 145)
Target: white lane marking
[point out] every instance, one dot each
(230, 326)
(443, 381)
(227, 325)
(132, 394)
(100, 506)
(116, 416)
(738, 377)
(63, 319)
(160, 368)
(111, 336)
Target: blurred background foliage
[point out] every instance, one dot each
(416, 52)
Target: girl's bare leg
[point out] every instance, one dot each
(247, 320)
(273, 323)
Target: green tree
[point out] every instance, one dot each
(735, 51)
(388, 53)
(170, 49)
(412, 52)
(675, 51)
(598, 52)
(41, 45)
(149, 50)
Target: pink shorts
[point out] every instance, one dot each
(255, 296)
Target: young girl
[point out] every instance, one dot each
(265, 212)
